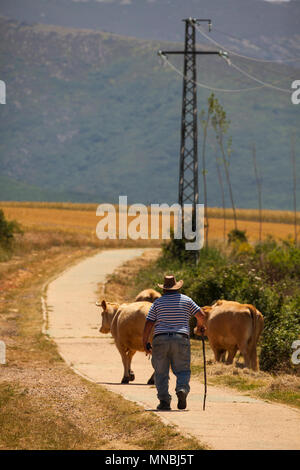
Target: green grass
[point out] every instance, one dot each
(285, 396)
(240, 383)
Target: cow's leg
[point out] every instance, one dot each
(151, 380)
(130, 355)
(244, 348)
(253, 358)
(248, 351)
(215, 351)
(220, 355)
(231, 354)
(124, 356)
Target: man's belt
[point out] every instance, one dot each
(172, 334)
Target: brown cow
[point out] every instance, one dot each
(126, 323)
(147, 295)
(231, 326)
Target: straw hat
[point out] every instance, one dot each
(170, 283)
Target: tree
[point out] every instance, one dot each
(223, 197)
(258, 183)
(220, 124)
(205, 117)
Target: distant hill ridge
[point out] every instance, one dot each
(267, 28)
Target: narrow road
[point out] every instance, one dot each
(231, 420)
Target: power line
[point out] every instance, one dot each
(241, 55)
(202, 85)
(269, 85)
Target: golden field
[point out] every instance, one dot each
(82, 219)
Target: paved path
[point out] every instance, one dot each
(231, 420)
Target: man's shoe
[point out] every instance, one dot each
(181, 395)
(163, 405)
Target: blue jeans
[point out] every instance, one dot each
(171, 351)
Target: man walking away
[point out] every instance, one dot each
(170, 315)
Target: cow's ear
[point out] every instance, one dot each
(103, 304)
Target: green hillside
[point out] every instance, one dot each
(91, 116)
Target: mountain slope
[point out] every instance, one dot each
(265, 29)
(92, 116)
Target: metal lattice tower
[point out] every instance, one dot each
(188, 168)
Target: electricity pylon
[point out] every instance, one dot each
(188, 168)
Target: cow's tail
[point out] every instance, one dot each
(252, 339)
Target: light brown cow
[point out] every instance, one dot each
(231, 326)
(148, 295)
(126, 323)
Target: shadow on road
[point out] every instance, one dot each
(119, 383)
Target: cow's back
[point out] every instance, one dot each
(229, 324)
(128, 325)
(149, 295)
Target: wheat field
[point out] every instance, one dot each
(81, 218)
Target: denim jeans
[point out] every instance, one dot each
(171, 351)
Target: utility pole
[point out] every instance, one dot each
(188, 167)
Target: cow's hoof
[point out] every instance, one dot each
(131, 376)
(125, 380)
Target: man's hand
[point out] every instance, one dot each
(148, 348)
(146, 334)
(200, 330)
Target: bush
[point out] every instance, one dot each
(7, 231)
(175, 249)
(283, 261)
(280, 330)
(237, 236)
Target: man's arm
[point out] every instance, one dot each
(147, 330)
(200, 317)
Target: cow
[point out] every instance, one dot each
(126, 323)
(231, 326)
(148, 295)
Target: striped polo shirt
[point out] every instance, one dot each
(172, 312)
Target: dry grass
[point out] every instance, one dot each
(282, 388)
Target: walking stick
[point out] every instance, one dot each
(204, 362)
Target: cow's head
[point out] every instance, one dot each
(206, 310)
(108, 311)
